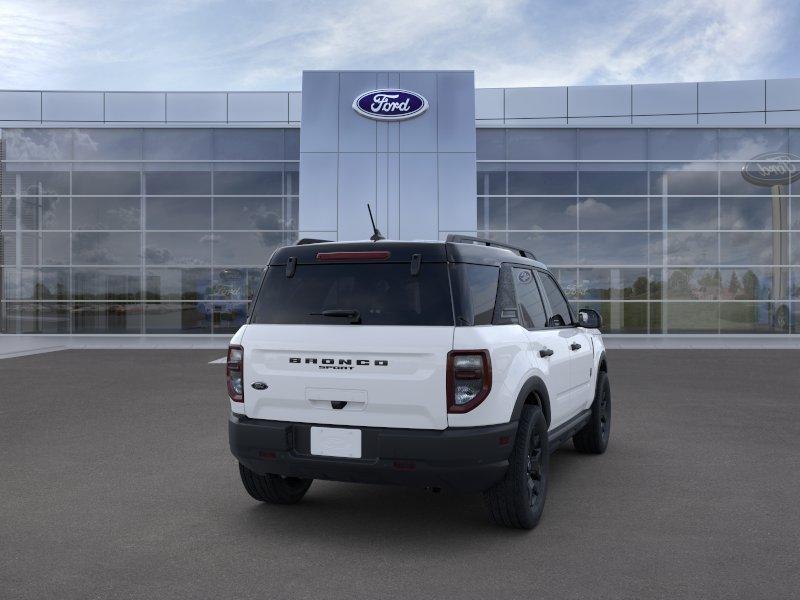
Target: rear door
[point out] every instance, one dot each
(351, 343)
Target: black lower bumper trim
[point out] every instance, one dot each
(467, 459)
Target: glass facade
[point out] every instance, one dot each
(657, 229)
(141, 230)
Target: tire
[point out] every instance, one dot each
(274, 489)
(518, 499)
(593, 438)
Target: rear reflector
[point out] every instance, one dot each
(368, 255)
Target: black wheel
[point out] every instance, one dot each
(518, 500)
(274, 489)
(593, 438)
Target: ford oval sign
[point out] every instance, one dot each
(772, 168)
(390, 105)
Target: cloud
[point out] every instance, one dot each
(207, 44)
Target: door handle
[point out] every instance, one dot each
(545, 352)
(575, 346)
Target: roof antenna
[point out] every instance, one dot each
(377, 234)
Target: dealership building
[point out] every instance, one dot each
(672, 209)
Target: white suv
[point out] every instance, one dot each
(453, 364)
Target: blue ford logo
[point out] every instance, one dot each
(772, 168)
(390, 105)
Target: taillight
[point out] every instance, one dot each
(235, 373)
(469, 379)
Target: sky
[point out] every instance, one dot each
(264, 45)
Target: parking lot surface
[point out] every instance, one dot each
(116, 482)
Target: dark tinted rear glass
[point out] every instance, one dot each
(383, 294)
(475, 288)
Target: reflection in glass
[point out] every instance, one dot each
(682, 144)
(172, 183)
(542, 144)
(542, 213)
(236, 283)
(613, 249)
(178, 317)
(754, 317)
(620, 317)
(754, 213)
(33, 181)
(750, 248)
(47, 248)
(36, 284)
(755, 283)
(44, 212)
(249, 213)
(36, 317)
(38, 144)
(692, 249)
(676, 181)
(241, 249)
(492, 213)
(107, 317)
(612, 213)
(95, 213)
(178, 213)
(527, 180)
(107, 144)
(690, 317)
(117, 183)
(177, 144)
(610, 183)
(692, 213)
(612, 144)
(249, 180)
(491, 144)
(178, 248)
(550, 248)
(693, 284)
(104, 248)
(248, 144)
(491, 179)
(178, 284)
(613, 284)
(106, 284)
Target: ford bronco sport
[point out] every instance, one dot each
(455, 364)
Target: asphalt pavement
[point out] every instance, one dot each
(116, 482)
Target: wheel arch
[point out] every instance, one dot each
(602, 363)
(534, 391)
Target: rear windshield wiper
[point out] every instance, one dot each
(351, 313)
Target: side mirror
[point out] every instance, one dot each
(589, 318)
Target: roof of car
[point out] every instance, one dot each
(402, 251)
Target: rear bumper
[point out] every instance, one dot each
(467, 459)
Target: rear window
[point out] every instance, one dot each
(475, 288)
(381, 293)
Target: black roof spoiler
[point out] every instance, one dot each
(466, 239)
(304, 241)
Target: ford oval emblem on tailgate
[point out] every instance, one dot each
(259, 385)
(390, 105)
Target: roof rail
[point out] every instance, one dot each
(467, 239)
(304, 241)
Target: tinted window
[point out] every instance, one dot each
(529, 302)
(559, 308)
(383, 294)
(476, 287)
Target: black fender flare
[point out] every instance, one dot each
(537, 386)
(602, 362)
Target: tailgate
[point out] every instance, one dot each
(371, 376)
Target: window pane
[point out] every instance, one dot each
(746, 144)
(38, 144)
(106, 248)
(692, 213)
(550, 248)
(45, 212)
(240, 249)
(34, 317)
(248, 179)
(8, 214)
(248, 144)
(227, 317)
(491, 179)
(612, 213)
(105, 213)
(732, 182)
(235, 283)
(36, 284)
(491, 144)
(178, 248)
(492, 213)
(108, 144)
(621, 317)
(172, 183)
(529, 301)
(755, 283)
(559, 308)
(178, 213)
(613, 284)
(683, 183)
(613, 249)
(613, 182)
(754, 213)
(753, 317)
(35, 180)
(682, 144)
(107, 317)
(542, 213)
(693, 284)
(117, 183)
(249, 213)
(542, 144)
(177, 144)
(291, 178)
(754, 248)
(692, 249)
(106, 284)
(178, 284)
(527, 179)
(183, 317)
(690, 317)
(613, 144)
(291, 141)
(45, 248)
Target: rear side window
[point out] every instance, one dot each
(381, 293)
(529, 301)
(475, 290)
(558, 304)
